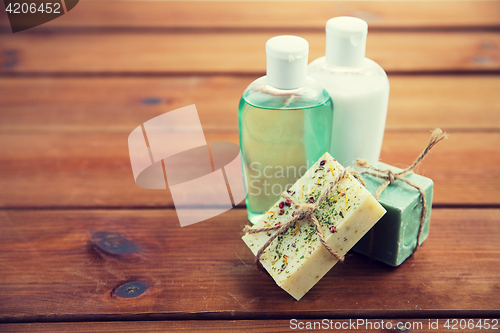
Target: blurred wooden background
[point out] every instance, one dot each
(73, 89)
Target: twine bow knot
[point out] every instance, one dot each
(390, 177)
(303, 211)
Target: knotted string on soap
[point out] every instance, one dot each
(303, 211)
(390, 176)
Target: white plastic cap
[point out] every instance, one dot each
(287, 62)
(345, 41)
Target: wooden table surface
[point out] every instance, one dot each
(73, 89)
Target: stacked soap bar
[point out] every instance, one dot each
(297, 260)
(395, 235)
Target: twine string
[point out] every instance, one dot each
(303, 211)
(390, 177)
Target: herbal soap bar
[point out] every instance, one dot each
(297, 260)
(395, 235)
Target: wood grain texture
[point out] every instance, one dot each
(93, 170)
(273, 14)
(264, 326)
(72, 90)
(52, 271)
(119, 104)
(233, 52)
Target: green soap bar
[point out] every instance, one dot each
(396, 232)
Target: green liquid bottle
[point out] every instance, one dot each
(284, 124)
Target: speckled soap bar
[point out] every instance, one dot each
(395, 235)
(297, 260)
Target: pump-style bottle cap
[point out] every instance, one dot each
(287, 62)
(345, 41)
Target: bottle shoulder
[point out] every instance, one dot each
(260, 94)
(368, 77)
(368, 68)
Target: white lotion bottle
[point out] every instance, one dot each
(359, 89)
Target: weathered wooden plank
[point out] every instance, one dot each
(118, 104)
(233, 52)
(51, 270)
(264, 326)
(272, 14)
(93, 170)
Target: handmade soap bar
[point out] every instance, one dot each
(297, 260)
(395, 235)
